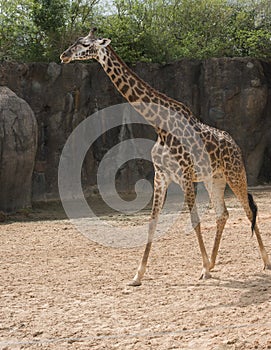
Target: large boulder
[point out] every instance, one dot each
(18, 145)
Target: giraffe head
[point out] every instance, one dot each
(84, 48)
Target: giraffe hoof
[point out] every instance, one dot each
(267, 266)
(205, 275)
(134, 283)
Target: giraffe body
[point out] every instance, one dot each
(186, 151)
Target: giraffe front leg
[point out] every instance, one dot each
(205, 273)
(160, 187)
(142, 267)
(220, 224)
(190, 199)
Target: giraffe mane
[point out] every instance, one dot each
(150, 88)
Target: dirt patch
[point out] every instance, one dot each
(60, 290)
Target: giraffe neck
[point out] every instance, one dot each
(154, 106)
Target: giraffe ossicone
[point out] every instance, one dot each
(187, 151)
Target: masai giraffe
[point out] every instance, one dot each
(180, 151)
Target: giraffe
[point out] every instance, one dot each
(178, 153)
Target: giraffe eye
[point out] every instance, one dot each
(82, 43)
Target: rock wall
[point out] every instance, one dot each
(236, 97)
(18, 145)
(232, 94)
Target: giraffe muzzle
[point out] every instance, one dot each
(64, 58)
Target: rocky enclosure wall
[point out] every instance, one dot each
(18, 145)
(231, 94)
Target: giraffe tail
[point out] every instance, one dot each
(254, 210)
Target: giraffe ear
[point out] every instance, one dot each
(103, 42)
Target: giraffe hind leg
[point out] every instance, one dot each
(254, 227)
(216, 189)
(240, 190)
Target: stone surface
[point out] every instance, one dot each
(236, 98)
(231, 94)
(18, 144)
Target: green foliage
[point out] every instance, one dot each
(49, 16)
(164, 30)
(38, 30)
(17, 31)
(149, 30)
(250, 30)
(200, 27)
(59, 22)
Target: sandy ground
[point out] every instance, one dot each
(60, 290)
